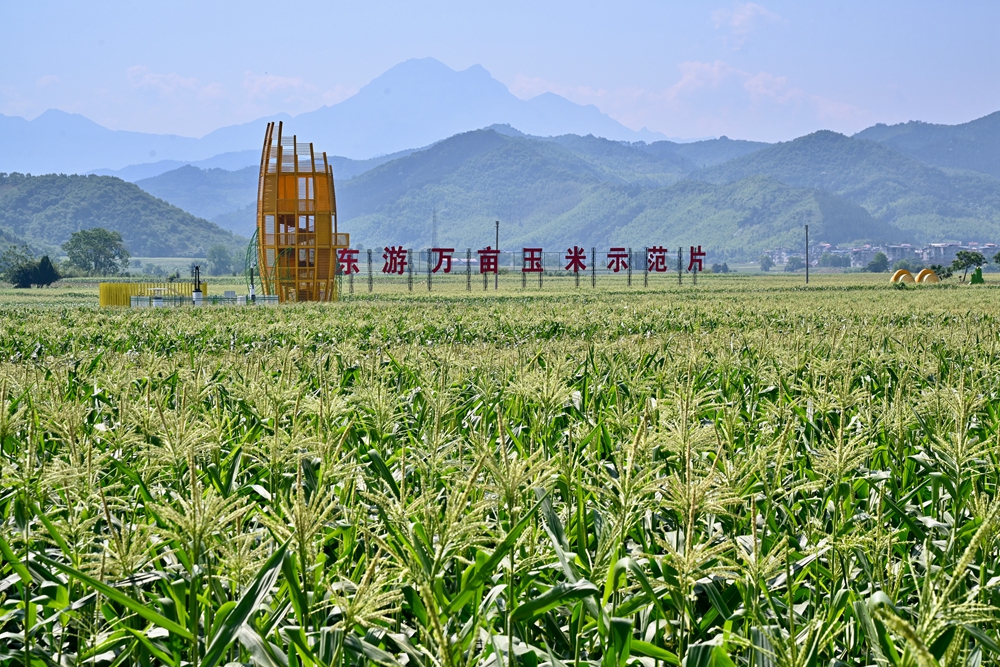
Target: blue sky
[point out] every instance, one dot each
(767, 70)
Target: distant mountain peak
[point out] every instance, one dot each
(415, 103)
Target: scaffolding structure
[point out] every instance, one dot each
(297, 237)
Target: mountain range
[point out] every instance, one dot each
(412, 104)
(911, 182)
(43, 211)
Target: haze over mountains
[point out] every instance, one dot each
(413, 104)
(458, 147)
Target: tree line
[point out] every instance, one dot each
(94, 252)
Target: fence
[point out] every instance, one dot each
(424, 270)
(120, 294)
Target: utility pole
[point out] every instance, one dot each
(496, 276)
(807, 254)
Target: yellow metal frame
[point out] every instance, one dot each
(297, 237)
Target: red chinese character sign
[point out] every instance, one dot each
(531, 260)
(576, 259)
(657, 259)
(697, 261)
(400, 261)
(443, 257)
(489, 260)
(618, 259)
(348, 258)
(395, 259)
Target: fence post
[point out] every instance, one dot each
(542, 272)
(629, 267)
(409, 269)
(371, 279)
(645, 267)
(429, 251)
(593, 267)
(524, 276)
(468, 269)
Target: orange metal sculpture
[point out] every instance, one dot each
(297, 238)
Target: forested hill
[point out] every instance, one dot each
(974, 145)
(598, 193)
(46, 210)
(739, 197)
(922, 201)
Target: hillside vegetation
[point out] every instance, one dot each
(736, 197)
(923, 201)
(974, 145)
(545, 194)
(46, 210)
(206, 193)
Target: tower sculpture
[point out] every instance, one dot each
(297, 237)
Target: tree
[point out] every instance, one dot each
(941, 271)
(766, 262)
(795, 264)
(30, 272)
(829, 259)
(97, 251)
(911, 265)
(12, 259)
(46, 274)
(220, 262)
(996, 258)
(967, 259)
(879, 263)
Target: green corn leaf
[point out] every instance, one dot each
(251, 601)
(118, 597)
(157, 652)
(486, 570)
(563, 593)
(648, 650)
(707, 655)
(382, 471)
(620, 644)
(14, 561)
(363, 649)
(262, 652)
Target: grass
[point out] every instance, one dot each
(747, 471)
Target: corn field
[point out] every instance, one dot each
(739, 476)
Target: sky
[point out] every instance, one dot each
(769, 70)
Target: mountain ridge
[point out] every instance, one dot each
(414, 103)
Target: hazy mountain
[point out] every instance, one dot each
(974, 145)
(421, 101)
(206, 193)
(543, 193)
(414, 103)
(920, 200)
(59, 142)
(228, 161)
(709, 152)
(46, 210)
(557, 189)
(228, 198)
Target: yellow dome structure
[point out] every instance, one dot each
(902, 276)
(927, 276)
